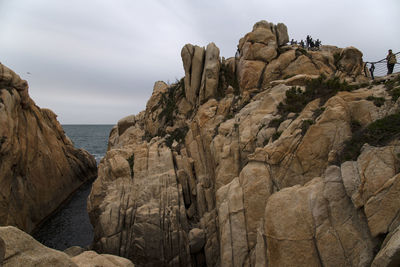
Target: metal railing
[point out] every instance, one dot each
(380, 68)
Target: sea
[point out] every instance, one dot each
(70, 225)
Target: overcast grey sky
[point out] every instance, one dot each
(95, 61)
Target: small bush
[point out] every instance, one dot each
(276, 122)
(378, 133)
(389, 85)
(226, 78)
(131, 161)
(336, 59)
(321, 87)
(355, 126)
(318, 112)
(378, 101)
(276, 135)
(395, 93)
(305, 125)
(178, 135)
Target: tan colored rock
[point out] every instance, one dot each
(351, 61)
(277, 66)
(257, 187)
(193, 63)
(92, 259)
(382, 209)
(249, 74)
(137, 208)
(209, 81)
(74, 251)
(352, 181)
(259, 51)
(153, 122)
(35, 156)
(389, 255)
(234, 247)
(310, 226)
(196, 240)
(125, 123)
(22, 250)
(2, 250)
(281, 34)
(376, 166)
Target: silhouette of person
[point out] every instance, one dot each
(371, 70)
(302, 43)
(391, 60)
(317, 43)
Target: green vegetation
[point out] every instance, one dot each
(393, 88)
(355, 126)
(301, 51)
(336, 59)
(178, 135)
(275, 122)
(131, 161)
(322, 88)
(276, 135)
(226, 78)
(395, 93)
(378, 133)
(169, 100)
(378, 101)
(318, 112)
(305, 125)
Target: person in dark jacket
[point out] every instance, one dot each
(391, 60)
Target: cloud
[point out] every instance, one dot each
(104, 50)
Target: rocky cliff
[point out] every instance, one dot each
(278, 157)
(39, 166)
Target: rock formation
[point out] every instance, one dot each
(39, 166)
(257, 160)
(20, 249)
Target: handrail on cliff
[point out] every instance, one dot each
(379, 68)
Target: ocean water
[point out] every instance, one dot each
(70, 226)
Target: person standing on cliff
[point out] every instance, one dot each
(391, 60)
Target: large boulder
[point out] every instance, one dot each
(39, 167)
(137, 210)
(22, 250)
(316, 225)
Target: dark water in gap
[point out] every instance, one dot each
(70, 226)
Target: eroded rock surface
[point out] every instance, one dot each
(20, 249)
(232, 176)
(39, 166)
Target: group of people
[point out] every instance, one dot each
(310, 43)
(390, 61)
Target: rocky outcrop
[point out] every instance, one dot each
(201, 72)
(20, 249)
(254, 173)
(39, 166)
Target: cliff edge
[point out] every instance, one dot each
(39, 166)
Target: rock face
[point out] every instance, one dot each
(39, 166)
(20, 249)
(201, 72)
(254, 173)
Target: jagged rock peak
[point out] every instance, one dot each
(201, 72)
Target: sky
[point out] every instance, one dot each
(96, 61)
